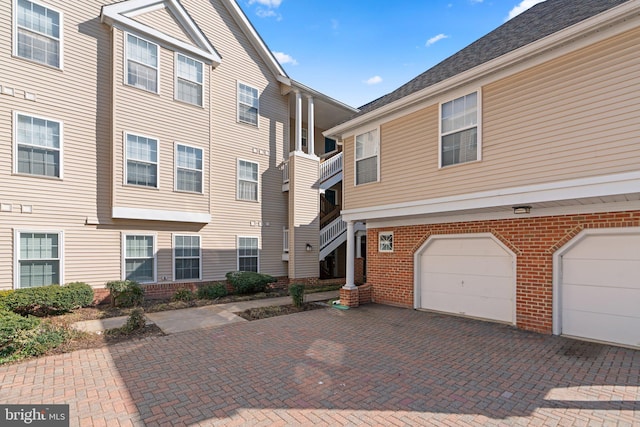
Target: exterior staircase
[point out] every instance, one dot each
(333, 230)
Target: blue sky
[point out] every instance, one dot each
(358, 50)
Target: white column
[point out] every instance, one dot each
(350, 258)
(310, 126)
(299, 121)
(358, 244)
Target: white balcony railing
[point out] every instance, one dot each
(332, 231)
(285, 240)
(330, 167)
(285, 172)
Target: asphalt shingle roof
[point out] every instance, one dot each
(536, 23)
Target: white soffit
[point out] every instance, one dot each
(120, 15)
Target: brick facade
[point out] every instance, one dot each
(533, 240)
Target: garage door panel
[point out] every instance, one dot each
(466, 247)
(602, 327)
(600, 287)
(597, 272)
(481, 265)
(606, 247)
(590, 299)
(473, 276)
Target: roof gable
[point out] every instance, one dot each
(165, 22)
(128, 15)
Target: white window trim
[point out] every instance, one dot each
(16, 252)
(123, 264)
(175, 83)
(238, 250)
(126, 59)
(15, 146)
(478, 126)
(124, 157)
(60, 38)
(257, 124)
(238, 181)
(355, 169)
(385, 233)
(173, 257)
(175, 168)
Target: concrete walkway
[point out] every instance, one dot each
(209, 316)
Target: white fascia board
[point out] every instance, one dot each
(255, 39)
(160, 215)
(625, 183)
(607, 24)
(119, 15)
(314, 93)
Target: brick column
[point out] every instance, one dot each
(349, 297)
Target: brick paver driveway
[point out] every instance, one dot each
(375, 365)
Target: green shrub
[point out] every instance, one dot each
(125, 293)
(183, 294)
(248, 282)
(213, 291)
(45, 300)
(296, 290)
(22, 337)
(135, 322)
(3, 295)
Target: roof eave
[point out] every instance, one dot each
(520, 55)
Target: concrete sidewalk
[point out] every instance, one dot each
(209, 316)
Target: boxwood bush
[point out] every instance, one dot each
(248, 282)
(212, 291)
(296, 290)
(46, 300)
(22, 337)
(125, 293)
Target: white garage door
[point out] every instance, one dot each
(470, 275)
(600, 288)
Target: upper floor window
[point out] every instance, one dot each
(247, 180)
(142, 63)
(367, 157)
(38, 33)
(142, 161)
(459, 130)
(189, 80)
(329, 145)
(247, 104)
(39, 258)
(38, 145)
(188, 168)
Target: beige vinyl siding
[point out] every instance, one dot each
(164, 21)
(573, 117)
(157, 116)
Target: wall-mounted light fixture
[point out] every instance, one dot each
(521, 210)
(309, 248)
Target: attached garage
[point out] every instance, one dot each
(597, 286)
(471, 274)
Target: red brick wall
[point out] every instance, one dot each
(533, 240)
(358, 271)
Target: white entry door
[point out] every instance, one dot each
(471, 275)
(600, 288)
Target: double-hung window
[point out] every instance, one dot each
(459, 130)
(248, 254)
(385, 241)
(39, 256)
(142, 161)
(139, 258)
(247, 181)
(367, 147)
(189, 80)
(186, 257)
(188, 169)
(247, 104)
(38, 33)
(38, 145)
(142, 63)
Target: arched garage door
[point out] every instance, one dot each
(471, 275)
(599, 286)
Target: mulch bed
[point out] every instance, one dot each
(280, 310)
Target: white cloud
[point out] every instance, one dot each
(283, 58)
(268, 3)
(373, 80)
(265, 13)
(524, 5)
(436, 39)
